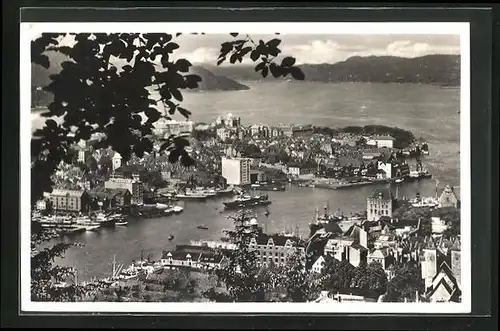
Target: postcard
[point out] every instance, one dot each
(245, 167)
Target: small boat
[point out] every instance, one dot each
(91, 227)
(399, 180)
(202, 227)
(267, 213)
(121, 223)
(177, 209)
(245, 201)
(171, 237)
(192, 195)
(168, 211)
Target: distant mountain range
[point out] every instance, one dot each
(41, 77)
(441, 70)
(431, 69)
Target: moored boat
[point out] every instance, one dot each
(177, 209)
(424, 202)
(192, 195)
(227, 191)
(245, 201)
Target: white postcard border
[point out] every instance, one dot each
(31, 30)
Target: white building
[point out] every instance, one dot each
(236, 171)
(117, 161)
(83, 154)
(379, 204)
(167, 127)
(438, 225)
(385, 141)
(386, 167)
(223, 134)
(41, 204)
(228, 120)
(294, 171)
(133, 185)
(199, 260)
(318, 265)
(255, 130)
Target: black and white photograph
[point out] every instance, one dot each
(225, 167)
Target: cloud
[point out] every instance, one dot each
(315, 52)
(409, 49)
(200, 55)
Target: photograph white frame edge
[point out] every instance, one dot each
(30, 30)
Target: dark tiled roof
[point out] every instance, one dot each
(64, 193)
(386, 220)
(384, 138)
(211, 258)
(455, 244)
(355, 245)
(102, 192)
(193, 248)
(332, 227)
(120, 191)
(385, 193)
(454, 290)
(405, 222)
(353, 231)
(181, 255)
(307, 127)
(279, 240)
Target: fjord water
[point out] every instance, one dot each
(429, 111)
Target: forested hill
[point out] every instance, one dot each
(431, 69)
(41, 77)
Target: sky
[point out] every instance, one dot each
(321, 48)
(316, 49)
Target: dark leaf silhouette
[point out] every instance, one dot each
(183, 65)
(288, 61)
(170, 47)
(184, 112)
(233, 58)
(275, 70)
(273, 43)
(254, 55)
(192, 81)
(152, 114)
(265, 71)
(43, 60)
(174, 155)
(177, 94)
(234, 34)
(297, 73)
(245, 51)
